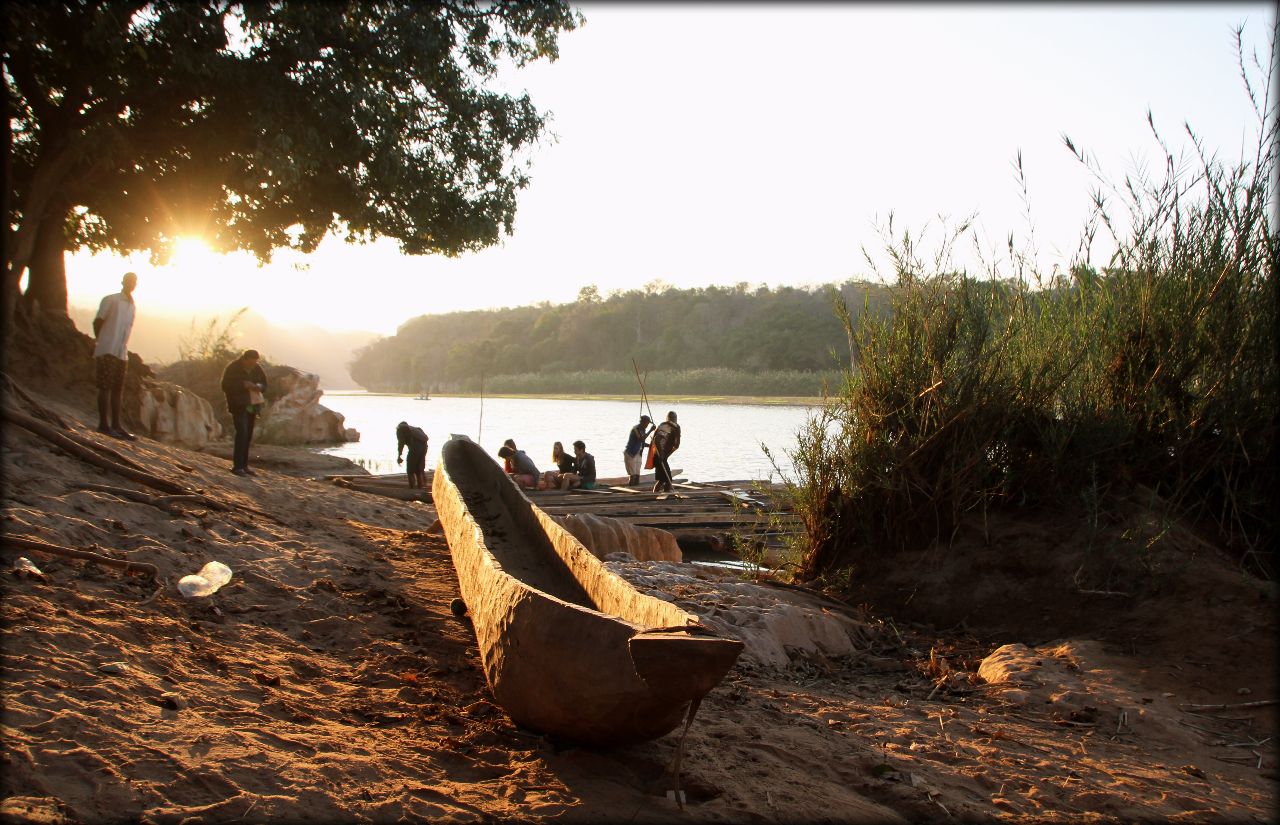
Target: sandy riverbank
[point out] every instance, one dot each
(328, 681)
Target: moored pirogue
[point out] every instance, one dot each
(569, 648)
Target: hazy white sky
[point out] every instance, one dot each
(764, 143)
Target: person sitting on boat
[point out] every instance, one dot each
(507, 466)
(525, 471)
(416, 440)
(565, 475)
(633, 453)
(586, 466)
(666, 440)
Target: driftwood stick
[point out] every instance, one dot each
(78, 450)
(165, 503)
(115, 455)
(23, 543)
(185, 499)
(1104, 593)
(1261, 703)
(122, 492)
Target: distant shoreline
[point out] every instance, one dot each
(763, 400)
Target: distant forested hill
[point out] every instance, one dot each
(704, 341)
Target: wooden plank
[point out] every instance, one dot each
(660, 519)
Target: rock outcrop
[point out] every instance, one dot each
(295, 415)
(51, 356)
(168, 412)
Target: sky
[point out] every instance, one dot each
(768, 144)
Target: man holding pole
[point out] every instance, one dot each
(666, 440)
(632, 454)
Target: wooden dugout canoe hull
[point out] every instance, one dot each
(568, 647)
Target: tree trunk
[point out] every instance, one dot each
(47, 270)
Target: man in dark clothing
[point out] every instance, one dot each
(245, 386)
(666, 440)
(586, 465)
(633, 454)
(416, 440)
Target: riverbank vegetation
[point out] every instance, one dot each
(703, 341)
(1155, 375)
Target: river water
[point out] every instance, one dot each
(719, 442)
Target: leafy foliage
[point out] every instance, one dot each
(265, 125)
(776, 342)
(209, 343)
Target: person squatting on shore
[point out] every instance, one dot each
(245, 386)
(524, 471)
(416, 440)
(666, 440)
(111, 328)
(633, 453)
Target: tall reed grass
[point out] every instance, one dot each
(1159, 370)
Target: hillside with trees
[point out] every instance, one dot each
(708, 341)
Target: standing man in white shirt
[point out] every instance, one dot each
(111, 328)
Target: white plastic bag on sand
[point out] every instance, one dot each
(205, 583)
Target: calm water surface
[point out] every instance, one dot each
(718, 441)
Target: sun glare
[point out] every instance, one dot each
(191, 251)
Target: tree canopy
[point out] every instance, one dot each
(263, 125)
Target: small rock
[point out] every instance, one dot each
(1016, 697)
(114, 667)
(1243, 692)
(172, 701)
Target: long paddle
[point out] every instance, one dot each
(644, 397)
(644, 394)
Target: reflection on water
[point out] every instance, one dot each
(718, 441)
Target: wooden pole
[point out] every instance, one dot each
(644, 394)
(480, 426)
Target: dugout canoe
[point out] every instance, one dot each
(569, 648)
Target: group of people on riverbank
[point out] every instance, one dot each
(577, 470)
(244, 384)
(571, 471)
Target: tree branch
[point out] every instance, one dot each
(84, 453)
(26, 543)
